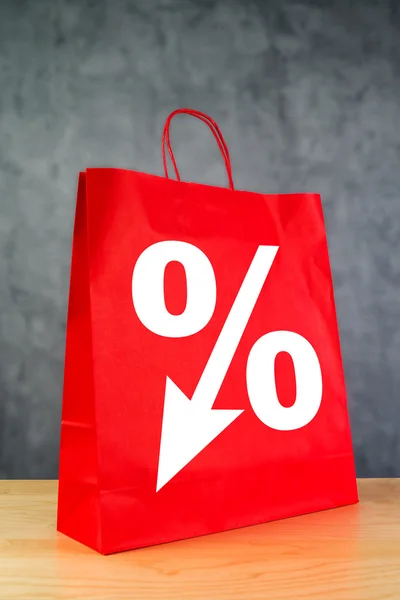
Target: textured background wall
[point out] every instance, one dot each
(308, 95)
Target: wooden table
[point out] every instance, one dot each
(350, 553)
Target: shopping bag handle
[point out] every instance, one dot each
(166, 142)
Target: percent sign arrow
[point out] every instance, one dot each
(190, 425)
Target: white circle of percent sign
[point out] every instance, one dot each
(148, 289)
(149, 302)
(261, 385)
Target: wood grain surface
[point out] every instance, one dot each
(342, 554)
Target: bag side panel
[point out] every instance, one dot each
(78, 495)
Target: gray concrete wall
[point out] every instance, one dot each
(308, 95)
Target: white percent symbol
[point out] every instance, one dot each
(189, 425)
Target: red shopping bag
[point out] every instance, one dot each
(204, 387)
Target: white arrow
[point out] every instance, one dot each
(190, 425)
